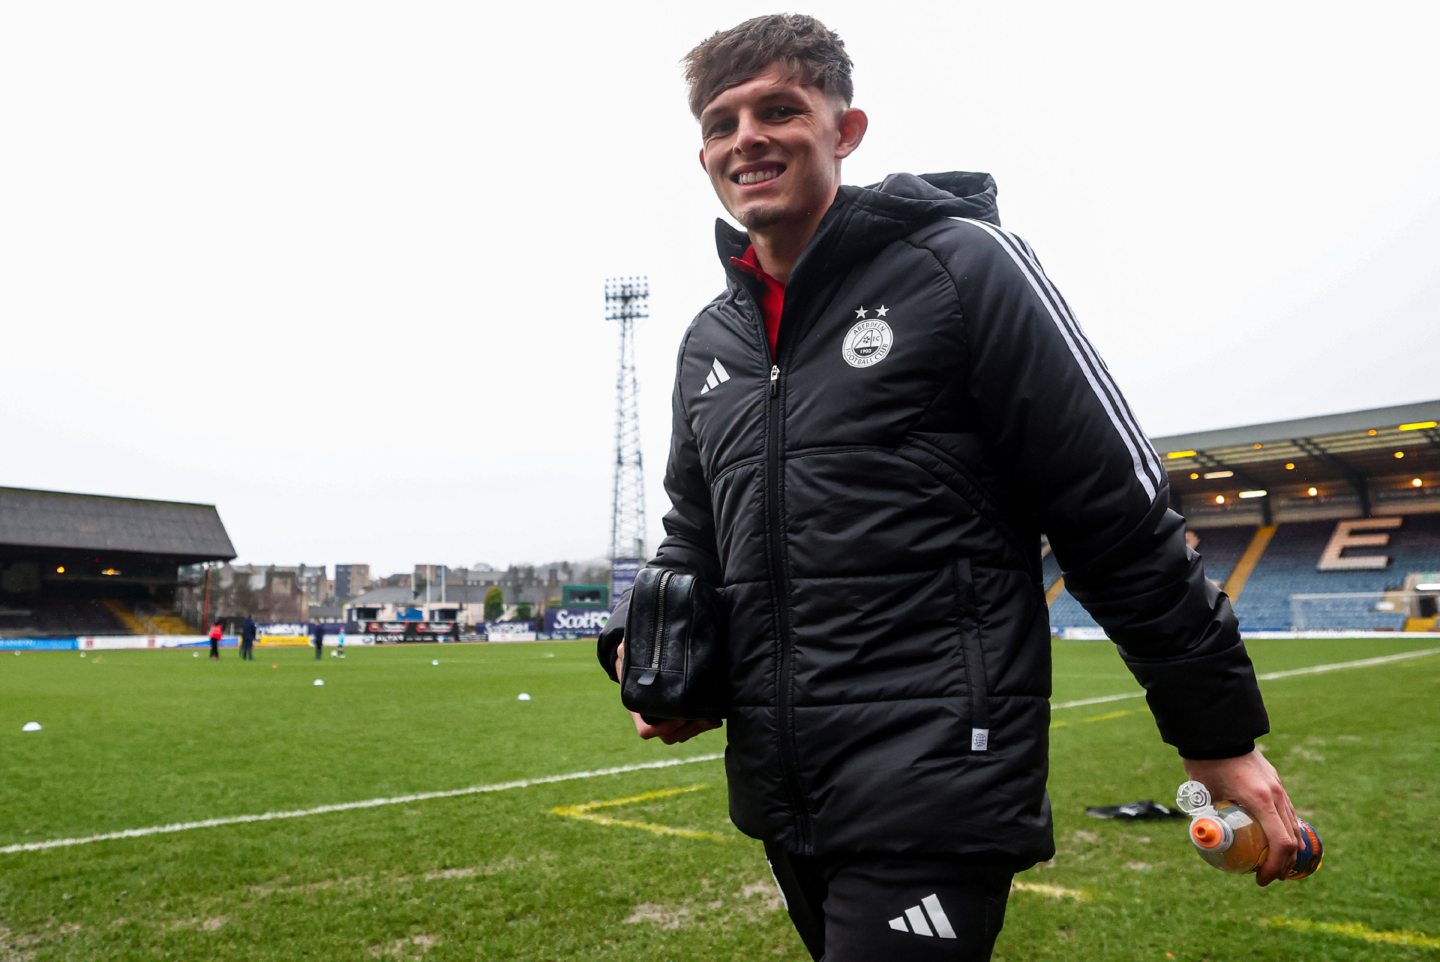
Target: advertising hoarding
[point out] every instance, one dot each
(565, 623)
(622, 576)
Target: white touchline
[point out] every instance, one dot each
(1269, 676)
(576, 776)
(350, 806)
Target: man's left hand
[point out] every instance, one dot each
(670, 731)
(673, 730)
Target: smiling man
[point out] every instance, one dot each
(874, 424)
(772, 148)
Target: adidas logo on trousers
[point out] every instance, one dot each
(927, 918)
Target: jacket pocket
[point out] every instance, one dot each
(963, 481)
(967, 624)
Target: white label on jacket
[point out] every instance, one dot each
(869, 341)
(979, 739)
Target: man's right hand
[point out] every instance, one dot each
(1252, 782)
(671, 731)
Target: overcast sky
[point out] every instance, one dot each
(338, 268)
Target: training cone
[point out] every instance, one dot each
(30, 727)
(523, 696)
(319, 682)
(434, 661)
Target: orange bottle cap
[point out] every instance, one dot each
(1206, 832)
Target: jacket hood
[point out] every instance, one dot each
(926, 197)
(864, 219)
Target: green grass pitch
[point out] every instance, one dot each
(639, 865)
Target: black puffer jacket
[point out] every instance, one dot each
(870, 502)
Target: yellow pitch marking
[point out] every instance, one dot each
(1108, 716)
(1354, 930)
(1052, 891)
(586, 813)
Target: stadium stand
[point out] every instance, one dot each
(1221, 548)
(1066, 614)
(1291, 567)
(56, 616)
(1274, 495)
(81, 564)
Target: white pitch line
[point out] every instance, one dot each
(576, 776)
(350, 806)
(1340, 666)
(1270, 676)
(1101, 700)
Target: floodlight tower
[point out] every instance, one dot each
(627, 300)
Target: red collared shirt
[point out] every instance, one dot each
(772, 294)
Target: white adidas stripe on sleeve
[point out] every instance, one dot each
(1145, 462)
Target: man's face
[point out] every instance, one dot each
(772, 147)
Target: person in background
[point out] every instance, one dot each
(247, 639)
(217, 631)
(317, 638)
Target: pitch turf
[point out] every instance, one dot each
(638, 865)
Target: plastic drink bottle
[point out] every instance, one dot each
(1226, 836)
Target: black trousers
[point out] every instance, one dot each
(866, 906)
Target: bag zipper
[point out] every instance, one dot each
(656, 644)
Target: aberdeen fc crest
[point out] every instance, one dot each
(869, 341)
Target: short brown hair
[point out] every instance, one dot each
(813, 54)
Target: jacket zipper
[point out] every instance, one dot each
(657, 642)
(975, 679)
(784, 695)
(784, 704)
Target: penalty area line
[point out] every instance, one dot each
(352, 806)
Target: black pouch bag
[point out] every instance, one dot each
(675, 664)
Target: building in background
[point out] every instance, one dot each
(267, 593)
(462, 604)
(351, 581)
(319, 589)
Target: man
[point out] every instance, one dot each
(247, 639)
(873, 426)
(317, 638)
